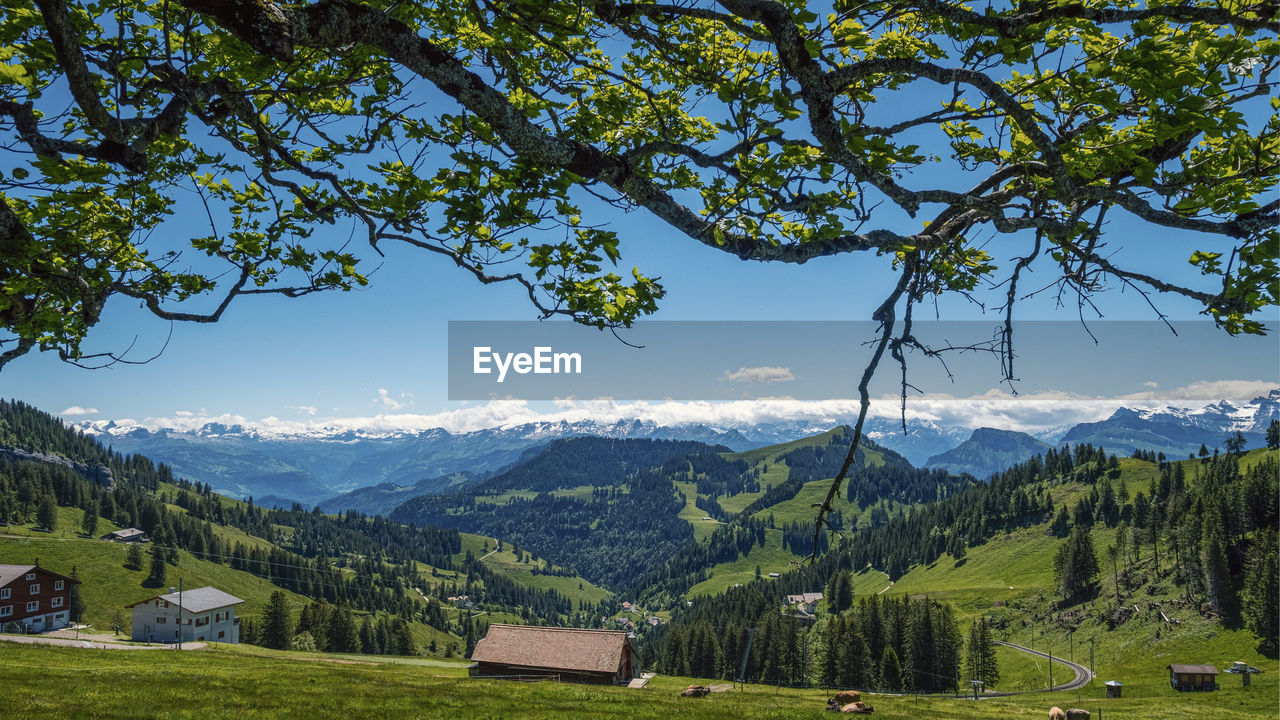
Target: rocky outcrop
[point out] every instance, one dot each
(100, 474)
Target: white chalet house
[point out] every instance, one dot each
(203, 614)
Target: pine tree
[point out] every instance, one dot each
(89, 523)
(987, 654)
(75, 605)
(344, 636)
(1262, 590)
(973, 654)
(277, 629)
(1213, 563)
(133, 559)
(249, 632)
(47, 515)
(891, 670)
(368, 644)
(1075, 564)
(839, 592)
(855, 660)
(403, 639)
(833, 642)
(157, 576)
(314, 619)
(1113, 552)
(1061, 523)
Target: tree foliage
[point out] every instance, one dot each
(277, 623)
(488, 133)
(1076, 563)
(980, 655)
(1262, 590)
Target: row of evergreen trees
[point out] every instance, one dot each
(329, 628)
(883, 644)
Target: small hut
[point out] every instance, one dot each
(1113, 688)
(1193, 677)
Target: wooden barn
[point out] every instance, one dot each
(1193, 677)
(526, 652)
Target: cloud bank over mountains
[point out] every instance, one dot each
(1033, 413)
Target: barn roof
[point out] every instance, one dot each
(1196, 669)
(551, 647)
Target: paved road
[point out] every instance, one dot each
(68, 642)
(1082, 673)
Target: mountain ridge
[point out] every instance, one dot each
(242, 460)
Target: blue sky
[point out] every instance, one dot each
(383, 350)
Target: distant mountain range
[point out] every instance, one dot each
(988, 451)
(382, 498)
(1179, 431)
(241, 461)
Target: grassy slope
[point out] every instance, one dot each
(233, 682)
(506, 563)
(702, 528)
(773, 557)
(107, 586)
(1010, 579)
(770, 558)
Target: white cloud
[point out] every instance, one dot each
(1151, 384)
(1032, 413)
(764, 374)
(387, 402)
(305, 409)
(77, 410)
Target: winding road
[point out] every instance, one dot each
(1082, 678)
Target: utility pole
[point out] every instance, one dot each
(1071, 642)
(1091, 673)
(179, 613)
(1050, 667)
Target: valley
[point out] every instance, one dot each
(706, 541)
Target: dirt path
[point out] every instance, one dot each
(95, 644)
(886, 587)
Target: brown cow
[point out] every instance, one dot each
(1056, 713)
(1077, 714)
(858, 708)
(695, 691)
(844, 697)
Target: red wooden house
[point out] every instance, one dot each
(33, 599)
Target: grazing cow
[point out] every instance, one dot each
(844, 697)
(1056, 713)
(695, 691)
(1077, 714)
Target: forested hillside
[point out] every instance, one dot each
(1100, 545)
(604, 508)
(350, 565)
